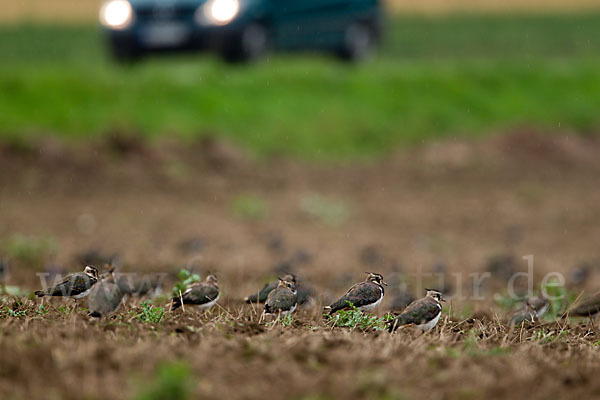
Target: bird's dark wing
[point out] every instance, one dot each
(196, 295)
(72, 285)
(200, 294)
(359, 295)
(262, 294)
(418, 312)
(586, 308)
(280, 299)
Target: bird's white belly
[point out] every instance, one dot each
(291, 310)
(540, 313)
(83, 294)
(371, 306)
(429, 325)
(208, 306)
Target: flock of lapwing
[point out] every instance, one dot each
(281, 298)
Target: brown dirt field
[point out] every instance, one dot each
(452, 202)
(87, 10)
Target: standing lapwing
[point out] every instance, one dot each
(364, 295)
(282, 300)
(524, 316)
(540, 304)
(76, 285)
(203, 295)
(261, 295)
(105, 296)
(532, 311)
(423, 314)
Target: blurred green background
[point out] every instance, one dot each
(452, 75)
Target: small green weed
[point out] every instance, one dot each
(65, 310)
(15, 313)
(151, 314)
(286, 321)
(559, 299)
(353, 318)
(543, 336)
(186, 278)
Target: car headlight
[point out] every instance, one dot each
(218, 12)
(116, 14)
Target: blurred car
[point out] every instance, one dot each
(241, 30)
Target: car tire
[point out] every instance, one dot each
(359, 42)
(251, 44)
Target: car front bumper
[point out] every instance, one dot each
(172, 34)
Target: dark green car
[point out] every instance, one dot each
(242, 29)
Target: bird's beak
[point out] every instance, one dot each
(442, 299)
(384, 283)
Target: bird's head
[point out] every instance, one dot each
(435, 294)
(109, 273)
(375, 278)
(91, 271)
(288, 285)
(289, 278)
(538, 302)
(212, 279)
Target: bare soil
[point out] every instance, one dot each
(166, 206)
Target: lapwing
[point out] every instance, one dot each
(76, 285)
(105, 296)
(586, 308)
(282, 300)
(364, 295)
(423, 314)
(540, 304)
(203, 295)
(525, 315)
(262, 294)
